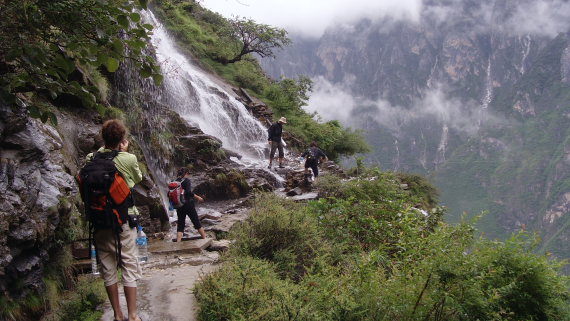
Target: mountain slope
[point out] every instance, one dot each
(472, 95)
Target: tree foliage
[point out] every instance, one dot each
(47, 46)
(249, 36)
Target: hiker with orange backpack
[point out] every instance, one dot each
(105, 184)
(182, 199)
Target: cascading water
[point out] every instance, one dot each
(441, 149)
(488, 87)
(197, 97)
(526, 42)
(202, 102)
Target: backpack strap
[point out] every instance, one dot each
(106, 155)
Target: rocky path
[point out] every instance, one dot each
(165, 292)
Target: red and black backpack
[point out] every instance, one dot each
(105, 193)
(176, 194)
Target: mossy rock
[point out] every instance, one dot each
(224, 184)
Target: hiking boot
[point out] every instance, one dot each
(269, 167)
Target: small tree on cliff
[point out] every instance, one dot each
(251, 37)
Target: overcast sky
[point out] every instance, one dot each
(312, 17)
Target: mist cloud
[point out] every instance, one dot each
(332, 101)
(546, 18)
(311, 18)
(541, 18)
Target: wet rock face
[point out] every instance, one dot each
(39, 194)
(33, 181)
(153, 215)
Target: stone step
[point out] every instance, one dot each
(192, 246)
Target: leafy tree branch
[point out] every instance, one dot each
(251, 37)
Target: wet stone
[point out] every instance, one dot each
(305, 197)
(193, 246)
(295, 191)
(220, 246)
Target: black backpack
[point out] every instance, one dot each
(105, 193)
(311, 156)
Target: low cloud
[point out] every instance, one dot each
(332, 101)
(545, 18)
(312, 18)
(541, 18)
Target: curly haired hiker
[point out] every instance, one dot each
(116, 246)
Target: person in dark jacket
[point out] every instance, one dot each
(274, 137)
(313, 156)
(188, 208)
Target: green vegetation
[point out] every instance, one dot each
(364, 252)
(249, 37)
(79, 304)
(54, 52)
(204, 35)
(64, 297)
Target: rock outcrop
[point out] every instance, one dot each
(40, 210)
(36, 199)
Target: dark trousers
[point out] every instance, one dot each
(190, 210)
(274, 146)
(314, 165)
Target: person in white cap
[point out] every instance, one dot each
(274, 138)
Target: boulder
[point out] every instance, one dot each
(219, 246)
(222, 183)
(297, 179)
(295, 191)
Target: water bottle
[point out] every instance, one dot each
(142, 244)
(94, 269)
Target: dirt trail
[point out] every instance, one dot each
(165, 291)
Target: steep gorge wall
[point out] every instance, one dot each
(480, 107)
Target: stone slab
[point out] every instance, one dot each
(166, 247)
(305, 197)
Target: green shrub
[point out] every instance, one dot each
(363, 253)
(281, 232)
(81, 303)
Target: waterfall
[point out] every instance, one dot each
(198, 97)
(397, 156)
(203, 101)
(430, 80)
(526, 41)
(488, 87)
(441, 149)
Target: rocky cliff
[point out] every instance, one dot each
(475, 94)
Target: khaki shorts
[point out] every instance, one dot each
(106, 251)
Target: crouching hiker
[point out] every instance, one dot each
(182, 199)
(105, 184)
(313, 157)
